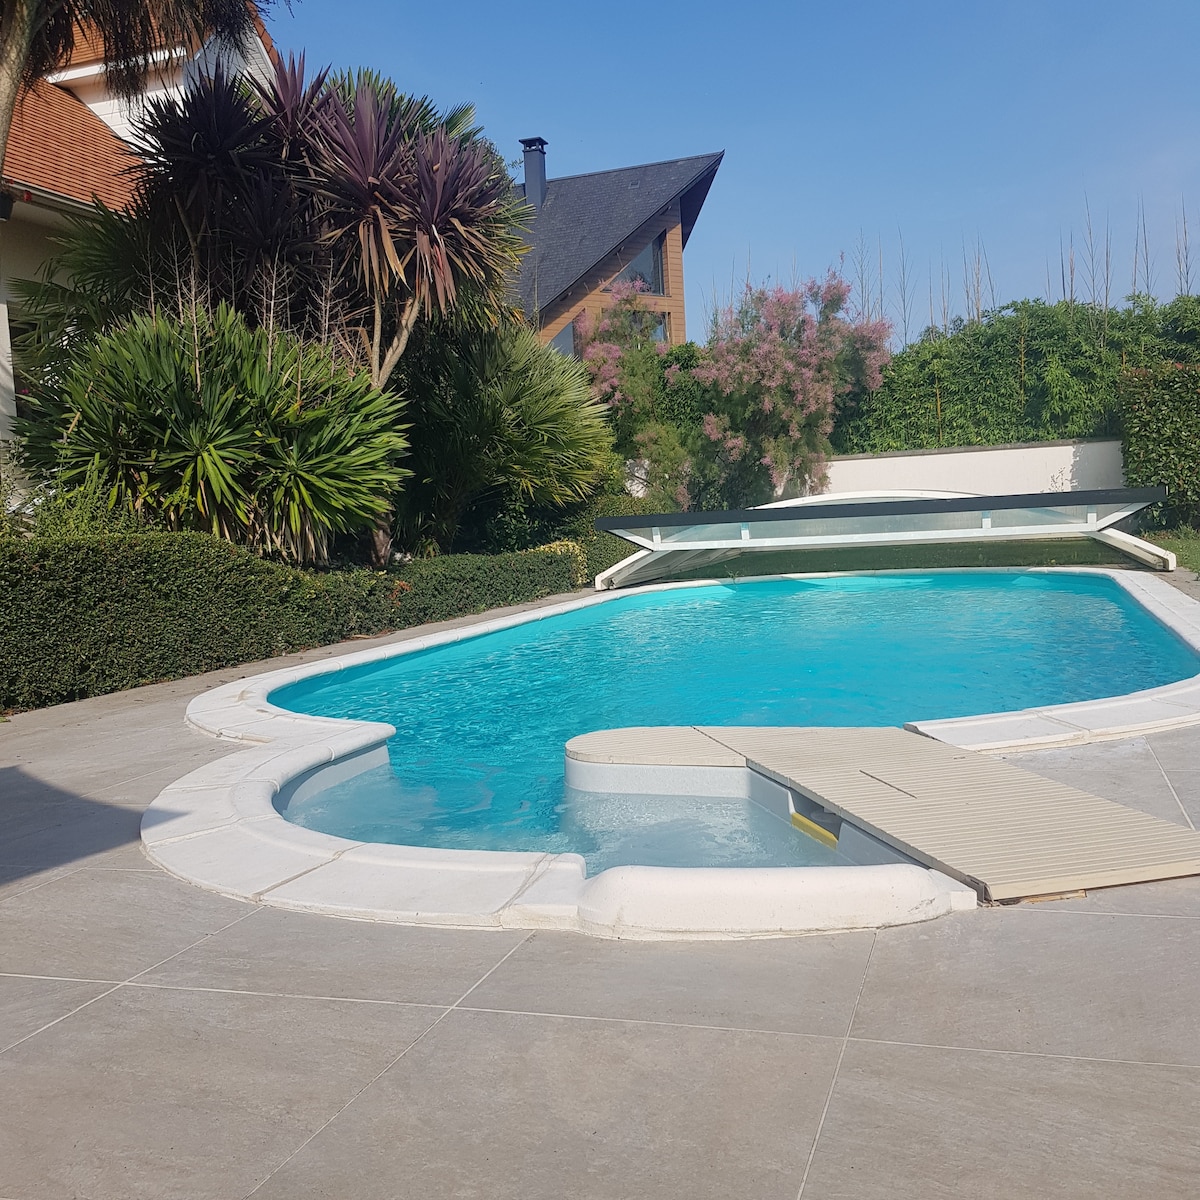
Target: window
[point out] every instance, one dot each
(647, 268)
(564, 340)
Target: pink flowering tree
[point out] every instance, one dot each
(621, 352)
(776, 365)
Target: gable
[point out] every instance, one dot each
(585, 218)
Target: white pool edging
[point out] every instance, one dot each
(218, 827)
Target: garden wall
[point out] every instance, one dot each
(985, 470)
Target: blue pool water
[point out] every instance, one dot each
(477, 761)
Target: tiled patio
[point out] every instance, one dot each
(161, 1042)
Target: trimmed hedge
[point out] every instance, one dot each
(1160, 409)
(604, 550)
(89, 615)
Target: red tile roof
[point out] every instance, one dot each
(59, 145)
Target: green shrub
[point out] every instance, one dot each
(206, 424)
(499, 421)
(1160, 410)
(1026, 372)
(603, 550)
(90, 615)
(516, 527)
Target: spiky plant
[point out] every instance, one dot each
(204, 423)
(496, 416)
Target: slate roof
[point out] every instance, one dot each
(58, 144)
(585, 218)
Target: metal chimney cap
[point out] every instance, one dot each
(534, 143)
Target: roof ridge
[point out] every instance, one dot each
(664, 162)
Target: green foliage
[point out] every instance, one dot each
(499, 421)
(78, 512)
(517, 526)
(203, 423)
(1026, 372)
(1184, 543)
(90, 615)
(1160, 407)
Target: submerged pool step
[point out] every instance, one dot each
(1006, 832)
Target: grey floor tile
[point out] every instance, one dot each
(125, 770)
(168, 1095)
(28, 1004)
(1186, 785)
(495, 1106)
(106, 924)
(21, 877)
(299, 954)
(1029, 979)
(66, 832)
(1169, 898)
(1125, 772)
(1177, 749)
(139, 790)
(911, 1123)
(795, 985)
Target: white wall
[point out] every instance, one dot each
(985, 470)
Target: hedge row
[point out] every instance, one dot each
(1160, 411)
(85, 616)
(604, 550)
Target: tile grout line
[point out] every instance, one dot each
(1114, 1062)
(837, 1067)
(1170, 785)
(33, 887)
(375, 1079)
(515, 1012)
(1100, 912)
(116, 987)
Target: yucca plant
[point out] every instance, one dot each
(204, 423)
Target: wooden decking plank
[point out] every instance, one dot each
(980, 819)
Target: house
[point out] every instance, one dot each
(69, 144)
(590, 231)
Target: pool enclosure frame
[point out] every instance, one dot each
(669, 542)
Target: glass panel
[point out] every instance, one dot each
(647, 268)
(1015, 518)
(564, 340)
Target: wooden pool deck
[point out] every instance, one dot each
(1002, 830)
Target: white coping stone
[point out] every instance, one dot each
(218, 826)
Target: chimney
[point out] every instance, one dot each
(535, 171)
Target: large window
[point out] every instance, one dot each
(564, 340)
(647, 268)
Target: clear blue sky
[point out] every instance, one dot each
(946, 121)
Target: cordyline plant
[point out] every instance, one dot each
(336, 208)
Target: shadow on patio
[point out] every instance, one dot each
(43, 827)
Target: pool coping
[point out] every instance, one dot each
(217, 827)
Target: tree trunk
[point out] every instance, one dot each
(18, 20)
(381, 539)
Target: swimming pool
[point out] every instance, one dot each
(477, 761)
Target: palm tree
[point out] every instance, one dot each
(37, 36)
